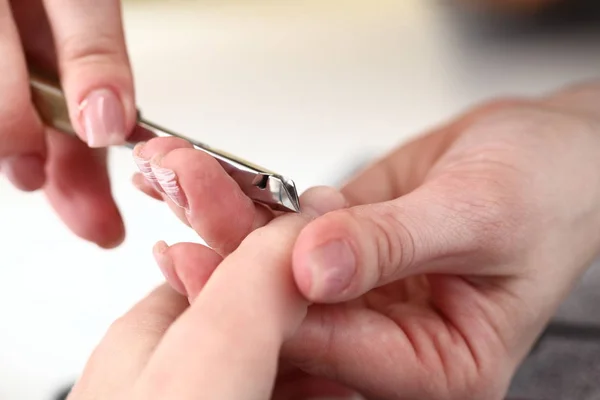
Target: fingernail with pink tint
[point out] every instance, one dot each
(167, 180)
(165, 263)
(103, 119)
(144, 166)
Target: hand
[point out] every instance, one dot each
(83, 41)
(457, 250)
(226, 344)
(204, 197)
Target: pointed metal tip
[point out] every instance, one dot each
(290, 198)
(276, 192)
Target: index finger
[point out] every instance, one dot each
(227, 344)
(94, 68)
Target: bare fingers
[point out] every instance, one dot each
(186, 266)
(250, 304)
(200, 192)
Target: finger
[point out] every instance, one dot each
(186, 266)
(407, 167)
(26, 172)
(435, 228)
(400, 171)
(94, 68)
(215, 205)
(157, 147)
(218, 341)
(416, 224)
(145, 187)
(78, 188)
(23, 148)
(123, 352)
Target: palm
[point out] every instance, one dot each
(442, 335)
(432, 333)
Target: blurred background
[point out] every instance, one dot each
(312, 89)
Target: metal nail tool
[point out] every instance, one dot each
(259, 184)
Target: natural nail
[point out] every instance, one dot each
(332, 267)
(165, 263)
(103, 118)
(167, 180)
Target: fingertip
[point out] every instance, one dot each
(190, 265)
(166, 264)
(324, 261)
(114, 239)
(26, 172)
(321, 200)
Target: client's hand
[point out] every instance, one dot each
(467, 241)
(226, 344)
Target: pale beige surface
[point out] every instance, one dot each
(309, 88)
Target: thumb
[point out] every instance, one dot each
(436, 228)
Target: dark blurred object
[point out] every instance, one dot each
(63, 394)
(512, 6)
(564, 364)
(553, 15)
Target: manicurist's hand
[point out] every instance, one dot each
(82, 41)
(455, 251)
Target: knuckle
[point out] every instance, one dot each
(394, 240)
(92, 49)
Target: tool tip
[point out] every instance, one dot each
(289, 197)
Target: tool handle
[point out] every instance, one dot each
(260, 184)
(49, 101)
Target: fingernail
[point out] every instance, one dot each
(167, 180)
(167, 268)
(103, 119)
(145, 168)
(332, 267)
(322, 200)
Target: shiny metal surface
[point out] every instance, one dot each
(259, 184)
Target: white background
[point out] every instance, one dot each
(311, 89)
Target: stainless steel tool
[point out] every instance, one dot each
(259, 184)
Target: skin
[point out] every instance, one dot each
(466, 241)
(81, 41)
(510, 223)
(165, 348)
